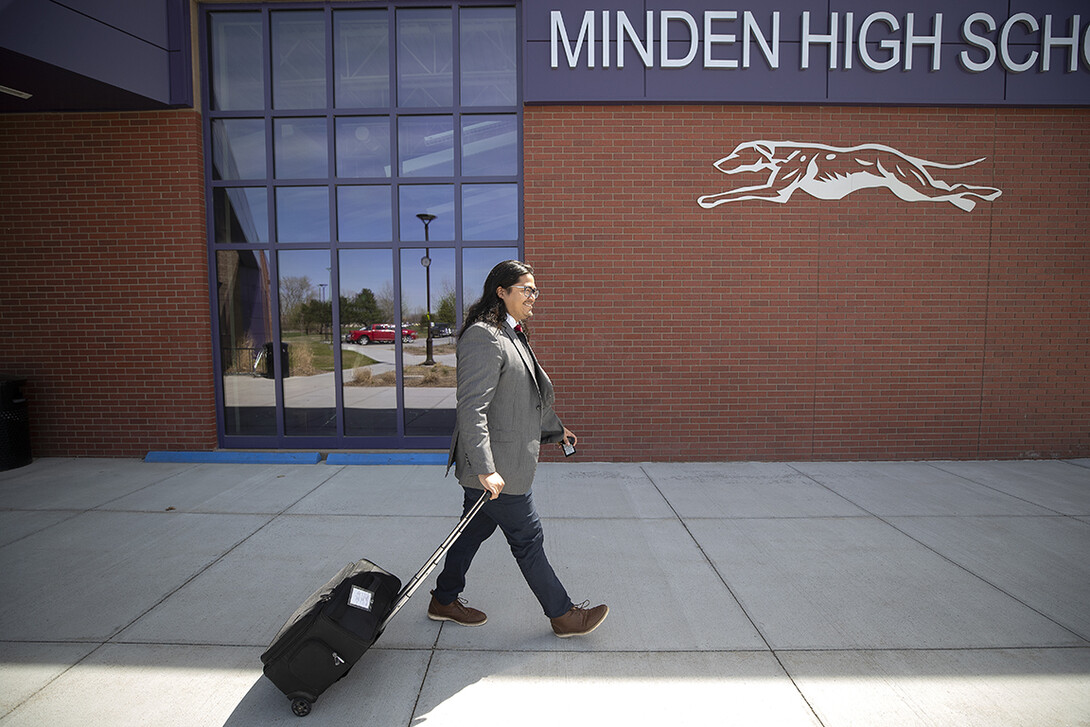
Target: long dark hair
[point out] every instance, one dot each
(490, 308)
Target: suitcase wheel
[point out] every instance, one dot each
(300, 707)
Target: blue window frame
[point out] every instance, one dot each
(333, 130)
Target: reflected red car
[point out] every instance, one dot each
(378, 333)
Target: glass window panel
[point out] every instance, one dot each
(238, 149)
(435, 199)
(361, 58)
(477, 262)
(342, 56)
(369, 377)
(363, 146)
(425, 62)
(300, 148)
(364, 214)
(425, 146)
(430, 382)
(302, 214)
(488, 59)
(236, 80)
(299, 59)
(490, 212)
(240, 214)
(246, 347)
(306, 336)
(490, 145)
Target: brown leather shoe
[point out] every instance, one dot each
(458, 612)
(580, 620)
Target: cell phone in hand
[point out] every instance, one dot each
(569, 448)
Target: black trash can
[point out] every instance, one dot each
(285, 368)
(14, 424)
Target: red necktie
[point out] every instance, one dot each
(518, 328)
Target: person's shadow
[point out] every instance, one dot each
(385, 688)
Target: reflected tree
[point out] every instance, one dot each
(360, 310)
(294, 291)
(317, 314)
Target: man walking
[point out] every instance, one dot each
(505, 412)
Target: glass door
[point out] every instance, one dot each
(368, 312)
(429, 299)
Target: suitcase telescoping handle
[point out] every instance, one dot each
(429, 566)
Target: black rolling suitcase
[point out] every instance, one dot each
(340, 621)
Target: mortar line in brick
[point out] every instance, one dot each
(987, 297)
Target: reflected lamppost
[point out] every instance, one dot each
(321, 311)
(426, 262)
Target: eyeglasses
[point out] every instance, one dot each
(528, 290)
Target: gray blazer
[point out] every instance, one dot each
(505, 410)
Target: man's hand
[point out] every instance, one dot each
(569, 437)
(493, 483)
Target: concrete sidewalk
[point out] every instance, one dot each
(874, 594)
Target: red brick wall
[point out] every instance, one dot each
(867, 327)
(104, 295)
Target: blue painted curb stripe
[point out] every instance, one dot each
(224, 457)
(439, 458)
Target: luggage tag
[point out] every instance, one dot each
(361, 598)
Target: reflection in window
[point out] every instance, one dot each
(489, 145)
(306, 336)
(363, 146)
(344, 122)
(300, 150)
(236, 79)
(363, 214)
(298, 59)
(425, 146)
(302, 214)
(435, 199)
(246, 348)
(369, 375)
(477, 262)
(488, 57)
(361, 50)
(430, 385)
(490, 212)
(425, 62)
(240, 214)
(238, 149)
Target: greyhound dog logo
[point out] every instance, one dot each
(829, 172)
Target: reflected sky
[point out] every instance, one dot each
(366, 270)
(373, 269)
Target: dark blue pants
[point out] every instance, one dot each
(516, 517)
